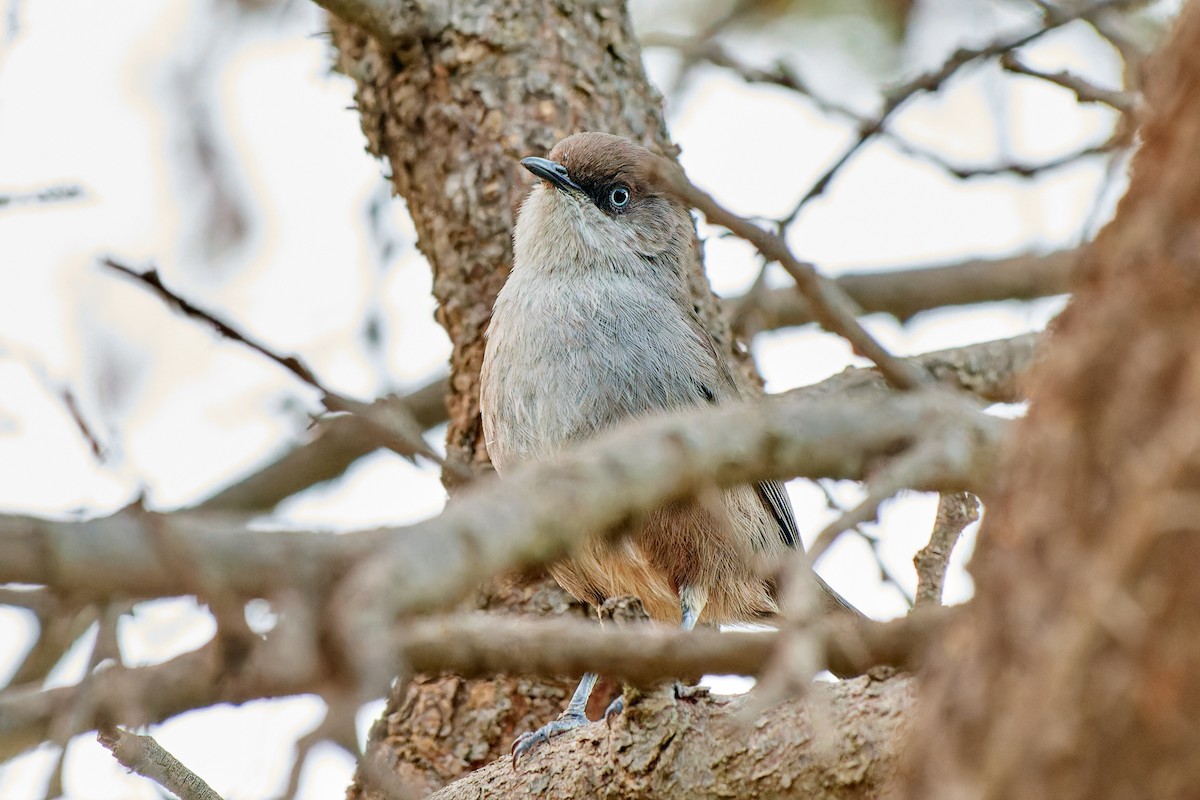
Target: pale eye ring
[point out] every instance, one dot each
(618, 197)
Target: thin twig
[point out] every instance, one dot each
(1020, 169)
(955, 511)
(1084, 90)
(148, 758)
(70, 719)
(49, 195)
(886, 576)
(395, 426)
(932, 81)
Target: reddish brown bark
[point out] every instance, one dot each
(1077, 674)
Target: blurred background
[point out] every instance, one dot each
(210, 139)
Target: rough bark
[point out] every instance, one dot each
(842, 741)
(453, 95)
(475, 87)
(1077, 671)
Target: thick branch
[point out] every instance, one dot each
(286, 663)
(531, 518)
(842, 741)
(904, 293)
(479, 645)
(542, 510)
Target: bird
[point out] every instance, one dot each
(594, 326)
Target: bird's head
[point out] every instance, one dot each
(599, 206)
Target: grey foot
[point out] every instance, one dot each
(615, 709)
(527, 741)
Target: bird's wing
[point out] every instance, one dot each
(776, 499)
(772, 493)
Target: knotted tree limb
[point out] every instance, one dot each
(955, 511)
(841, 741)
(476, 645)
(351, 587)
(531, 518)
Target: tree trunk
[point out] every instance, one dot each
(453, 104)
(1077, 673)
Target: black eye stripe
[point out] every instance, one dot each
(601, 190)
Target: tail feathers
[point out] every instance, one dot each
(832, 601)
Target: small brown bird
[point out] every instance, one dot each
(594, 326)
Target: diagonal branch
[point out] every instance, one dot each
(148, 758)
(339, 442)
(830, 306)
(393, 425)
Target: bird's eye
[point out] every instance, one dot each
(618, 197)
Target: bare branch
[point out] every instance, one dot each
(831, 307)
(899, 96)
(49, 195)
(929, 462)
(339, 442)
(1021, 169)
(479, 644)
(393, 424)
(543, 510)
(988, 370)
(146, 757)
(1084, 90)
(470, 645)
(955, 512)
(904, 293)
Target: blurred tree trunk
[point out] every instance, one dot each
(470, 90)
(1077, 673)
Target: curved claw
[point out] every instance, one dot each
(685, 692)
(615, 709)
(527, 741)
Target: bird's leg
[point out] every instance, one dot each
(573, 717)
(691, 604)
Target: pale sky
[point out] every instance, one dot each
(89, 94)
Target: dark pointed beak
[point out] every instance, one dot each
(550, 171)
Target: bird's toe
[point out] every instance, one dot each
(615, 709)
(527, 741)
